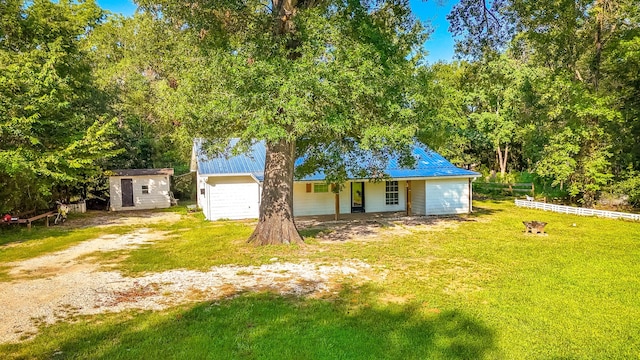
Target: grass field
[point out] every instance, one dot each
(469, 288)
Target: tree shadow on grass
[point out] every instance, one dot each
(268, 326)
(311, 232)
(482, 211)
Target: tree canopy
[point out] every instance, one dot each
(55, 131)
(570, 118)
(321, 79)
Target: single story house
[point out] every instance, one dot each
(139, 189)
(230, 187)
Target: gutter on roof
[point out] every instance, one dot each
(475, 176)
(140, 172)
(227, 174)
(255, 178)
(436, 177)
(232, 175)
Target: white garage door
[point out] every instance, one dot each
(447, 196)
(233, 199)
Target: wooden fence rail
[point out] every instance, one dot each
(576, 210)
(510, 188)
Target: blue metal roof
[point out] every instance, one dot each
(429, 164)
(250, 163)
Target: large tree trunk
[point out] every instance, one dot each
(276, 224)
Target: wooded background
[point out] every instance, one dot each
(547, 88)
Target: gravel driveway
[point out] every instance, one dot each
(62, 284)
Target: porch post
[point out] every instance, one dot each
(337, 203)
(470, 196)
(408, 197)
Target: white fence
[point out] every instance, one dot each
(80, 207)
(576, 210)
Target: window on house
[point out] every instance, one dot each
(145, 189)
(391, 193)
(320, 188)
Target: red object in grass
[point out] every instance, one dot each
(6, 218)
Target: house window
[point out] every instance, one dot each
(145, 189)
(320, 188)
(391, 193)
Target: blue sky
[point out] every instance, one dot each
(434, 12)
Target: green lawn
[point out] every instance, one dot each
(477, 288)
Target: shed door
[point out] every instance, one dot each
(127, 192)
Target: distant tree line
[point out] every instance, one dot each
(547, 87)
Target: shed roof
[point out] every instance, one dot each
(429, 164)
(141, 172)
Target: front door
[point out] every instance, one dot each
(127, 192)
(357, 197)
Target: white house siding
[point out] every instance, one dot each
(311, 203)
(238, 197)
(418, 196)
(158, 196)
(447, 196)
(307, 204)
(231, 197)
(201, 199)
(375, 198)
(345, 199)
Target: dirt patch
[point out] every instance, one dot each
(371, 229)
(134, 294)
(66, 260)
(123, 218)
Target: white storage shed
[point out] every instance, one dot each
(140, 189)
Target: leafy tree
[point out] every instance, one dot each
(54, 131)
(443, 103)
(621, 77)
(483, 111)
(482, 26)
(578, 118)
(495, 103)
(558, 161)
(137, 61)
(325, 79)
